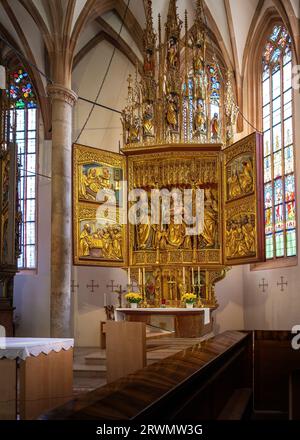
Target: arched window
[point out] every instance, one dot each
(23, 131)
(279, 177)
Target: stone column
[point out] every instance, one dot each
(63, 100)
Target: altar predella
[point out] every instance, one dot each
(178, 128)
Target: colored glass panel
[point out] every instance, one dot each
(290, 188)
(268, 195)
(279, 238)
(267, 169)
(267, 143)
(269, 220)
(279, 220)
(269, 247)
(290, 215)
(277, 137)
(291, 247)
(278, 191)
(288, 132)
(277, 164)
(288, 160)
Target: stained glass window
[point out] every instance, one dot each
(277, 114)
(23, 131)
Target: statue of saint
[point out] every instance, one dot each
(234, 188)
(117, 242)
(148, 127)
(215, 127)
(85, 241)
(176, 234)
(249, 235)
(144, 231)
(172, 114)
(172, 53)
(246, 176)
(134, 131)
(199, 119)
(210, 227)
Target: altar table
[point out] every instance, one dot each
(187, 323)
(36, 374)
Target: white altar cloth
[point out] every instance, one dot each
(14, 348)
(120, 312)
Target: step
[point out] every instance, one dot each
(83, 370)
(97, 358)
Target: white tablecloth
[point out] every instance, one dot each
(13, 348)
(120, 312)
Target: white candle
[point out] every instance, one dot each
(192, 276)
(199, 278)
(140, 276)
(128, 278)
(105, 300)
(183, 275)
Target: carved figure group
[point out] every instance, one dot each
(106, 240)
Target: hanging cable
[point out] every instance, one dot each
(50, 80)
(105, 75)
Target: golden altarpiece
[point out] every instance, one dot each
(178, 126)
(10, 218)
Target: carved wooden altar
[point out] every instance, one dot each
(178, 128)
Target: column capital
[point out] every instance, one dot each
(62, 93)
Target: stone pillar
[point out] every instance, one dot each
(63, 100)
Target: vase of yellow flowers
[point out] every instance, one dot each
(189, 299)
(134, 298)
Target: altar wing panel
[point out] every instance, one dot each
(243, 218)
(99, 207)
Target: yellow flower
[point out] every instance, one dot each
(189, 297)
(133, 297)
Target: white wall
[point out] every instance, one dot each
(229, 294)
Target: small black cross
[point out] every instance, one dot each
(112, 286)
(92, 286)
(263, 285)
(73, 286)
(282, 283)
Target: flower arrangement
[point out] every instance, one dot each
(189, 298)
(133, 297)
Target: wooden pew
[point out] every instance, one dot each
(194, 384)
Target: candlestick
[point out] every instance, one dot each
(199, 278)
(140, 276)
(128, 276)
(105, 300)
(206, 284)
(144, 277)
(193, 281)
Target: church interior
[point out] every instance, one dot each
(148, 210)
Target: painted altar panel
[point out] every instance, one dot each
(9, 213)
(99, 207)
(243, 223)
(169, 244)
